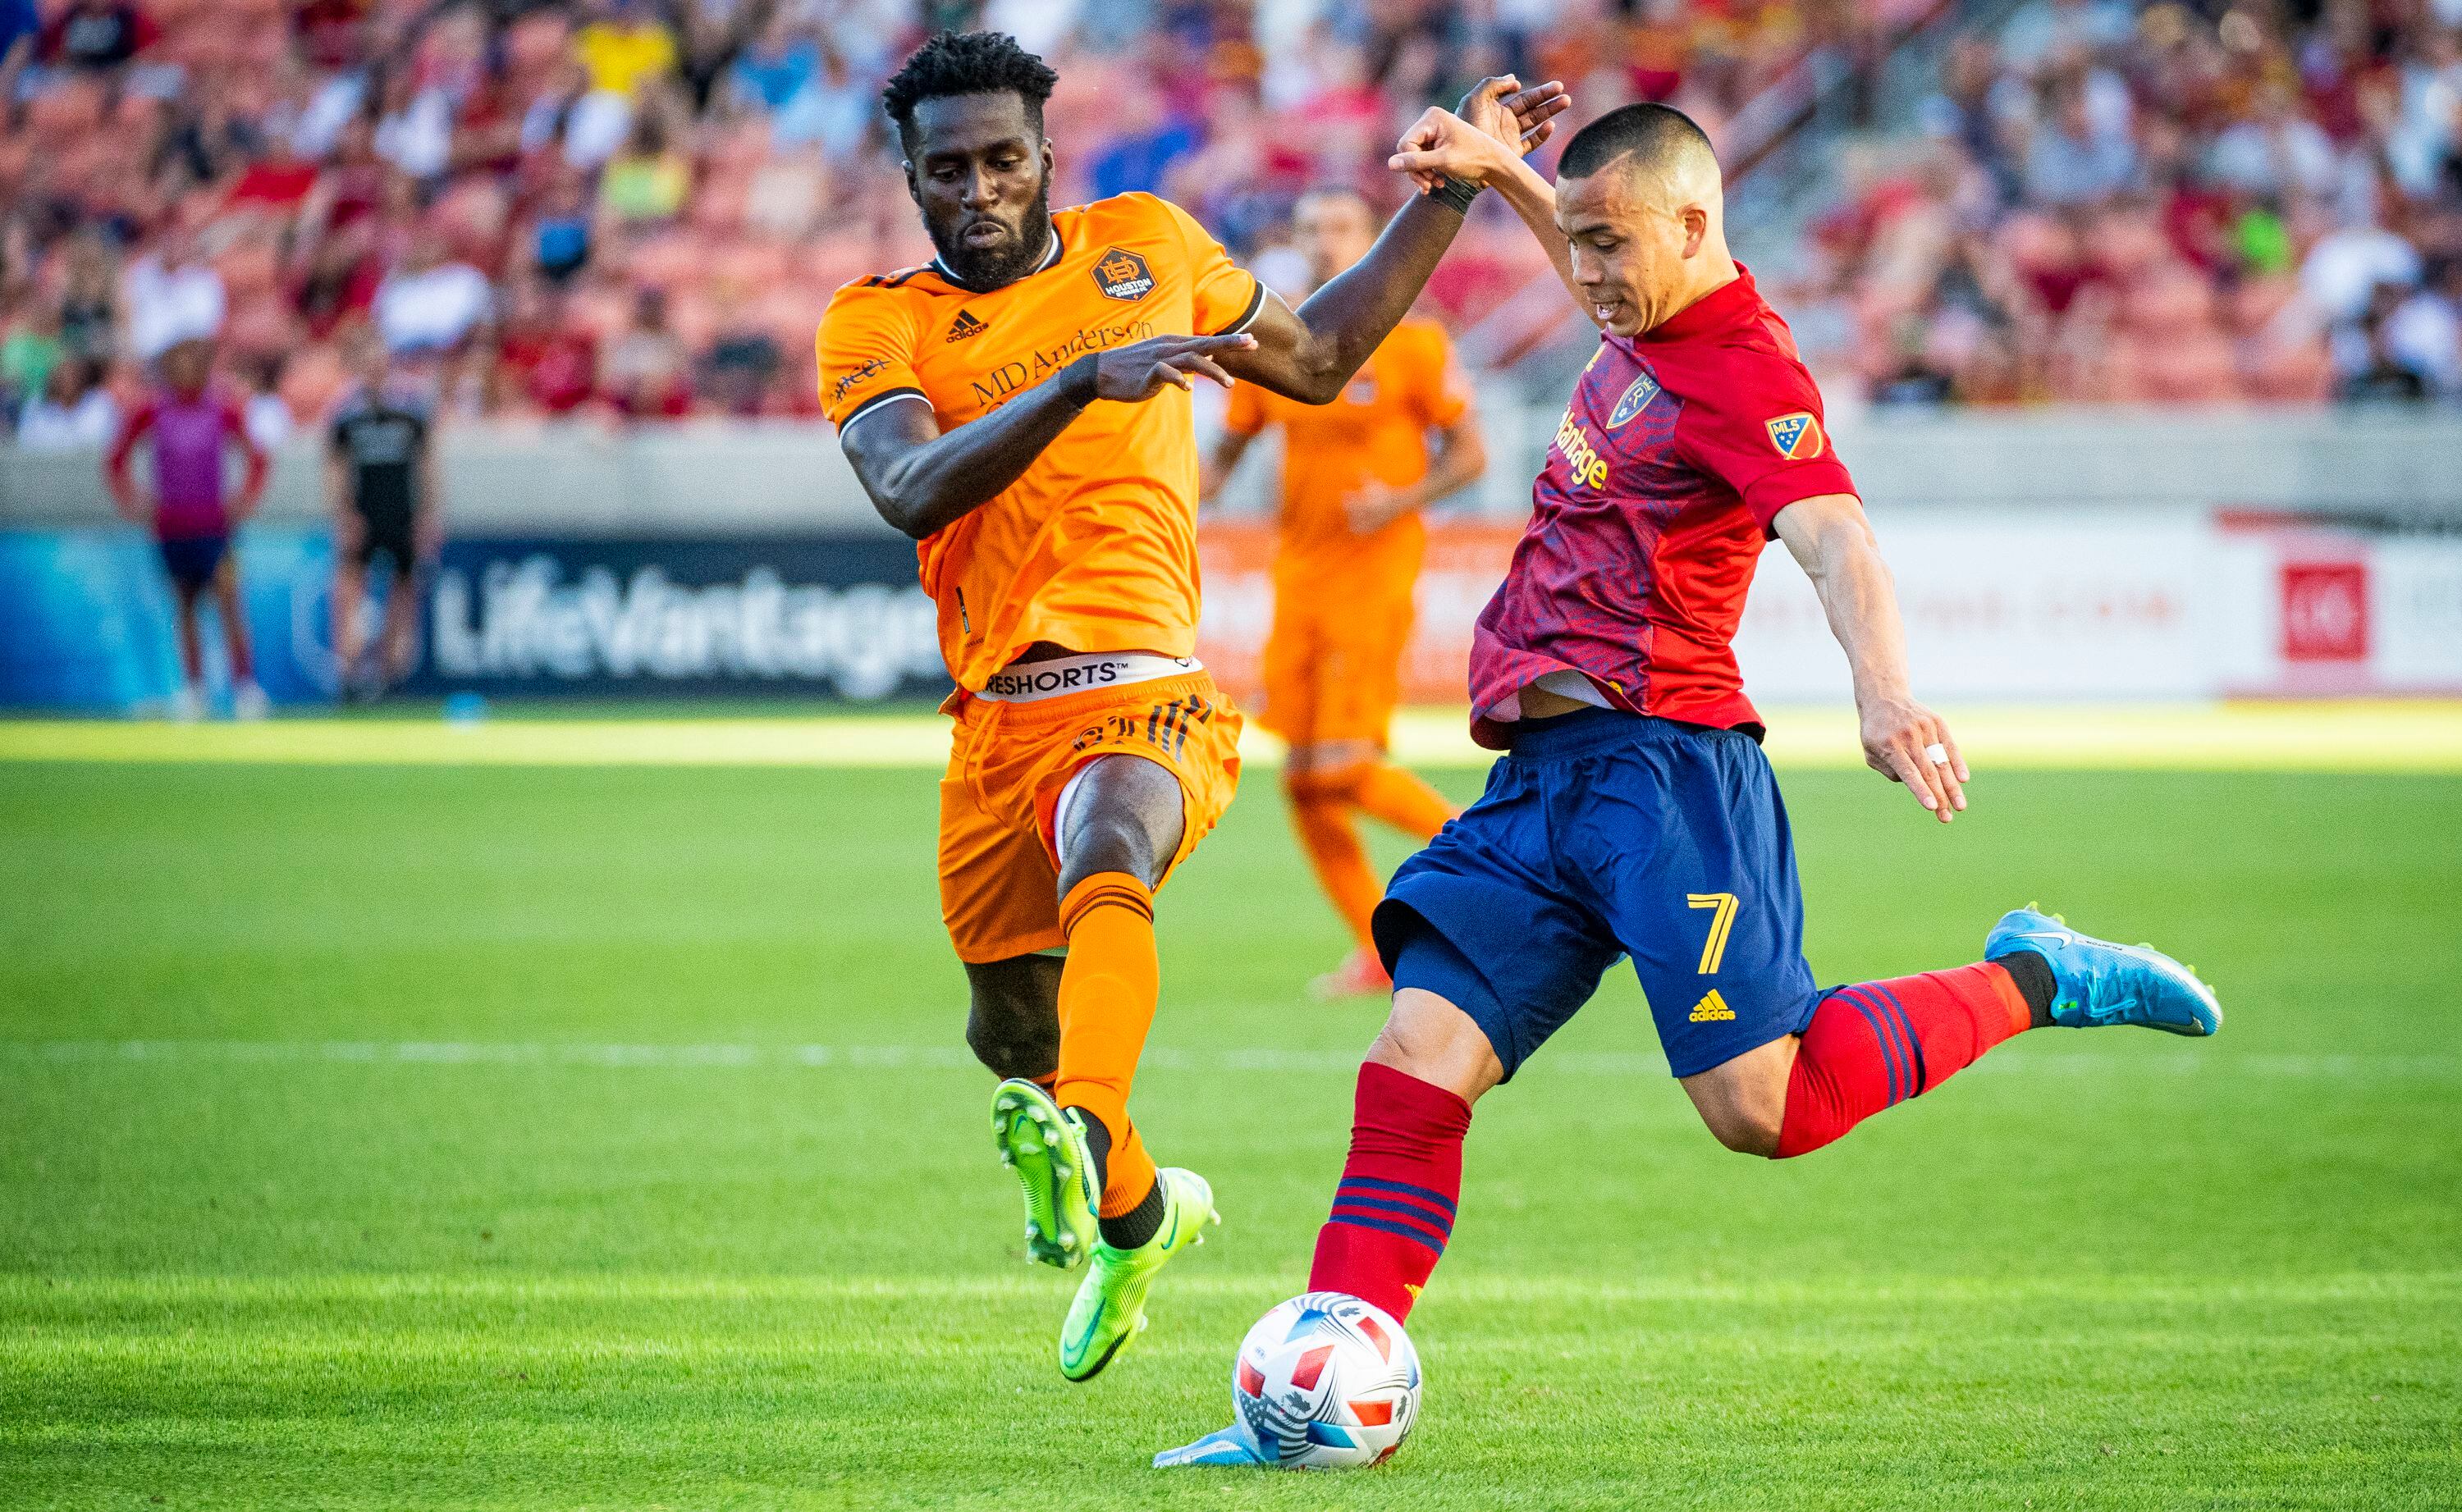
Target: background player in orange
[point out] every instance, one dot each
(1019, 406)
(1356, 474)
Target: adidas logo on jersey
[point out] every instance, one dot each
(964, 326)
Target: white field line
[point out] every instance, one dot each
(359, 1289)
(2152, 1062)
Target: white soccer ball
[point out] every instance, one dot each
(1326, 1382)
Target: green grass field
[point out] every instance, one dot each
(493, 1137)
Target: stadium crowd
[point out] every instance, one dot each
(633, 209)
(2167, 204)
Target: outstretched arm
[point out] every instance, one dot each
(1833, 543)
(922, 478)
(1442, 145)
(1311, 352)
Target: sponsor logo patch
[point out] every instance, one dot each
(1123, 275)
(1797, 436)
(1635, 401)
(964, 326)
(1588, 468)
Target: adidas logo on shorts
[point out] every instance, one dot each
(1712, 1009)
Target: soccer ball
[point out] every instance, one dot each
(1326, 1382)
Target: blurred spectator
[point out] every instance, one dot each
(624, 46)
(31, 348)
(21, 36)
(73, 412)
(2042, 30)
(2380, 374)
(648, 180)
(2275, 152)
(648, 373)
(89, 301)
(2072, 160)
(96, 36)
(545, 363)
(267, 415)
(174, 296)
(432, 303)
(560, 236)
(2425, 330)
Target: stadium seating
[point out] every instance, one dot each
(2106, 204)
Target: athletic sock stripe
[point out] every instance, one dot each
(1434, 1247)
(1135, 898)
(1888, 1050)
(1907, 1028)
(1424, 1194)
(1436, 1220)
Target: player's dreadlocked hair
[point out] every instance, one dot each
(966, 63)
(1657, 137)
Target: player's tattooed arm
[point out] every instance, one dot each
(1311, 352)
(922, 478)
(1832, 542)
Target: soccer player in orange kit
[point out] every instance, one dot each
(1020, 407)
(1356, 474)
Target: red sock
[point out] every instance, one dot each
(1879, 1043)
(1394, 1208)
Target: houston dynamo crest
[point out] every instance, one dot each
(1635, 400)
(1797, 436)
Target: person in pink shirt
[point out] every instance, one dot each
(191, 425)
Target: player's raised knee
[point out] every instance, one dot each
(1747, 1130)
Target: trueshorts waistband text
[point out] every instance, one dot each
(1063, 675)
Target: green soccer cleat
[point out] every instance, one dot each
(1110, 1305)
(1048, 1151)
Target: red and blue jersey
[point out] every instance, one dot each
(1678, 450)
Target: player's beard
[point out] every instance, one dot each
(984, 271)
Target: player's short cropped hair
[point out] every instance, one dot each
(953, 63)
(1657, 137)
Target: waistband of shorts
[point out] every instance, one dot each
(1588, 730)
(1061, 676)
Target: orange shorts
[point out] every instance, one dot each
(1000, 870)
(1333, 672)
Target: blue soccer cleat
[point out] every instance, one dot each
(2097, 983)
(1224, 1446)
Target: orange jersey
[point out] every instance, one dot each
(1377, 429)
(1095, 546)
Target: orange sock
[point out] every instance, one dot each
(1106, 1003)
(1395, 795)
(1333, 849)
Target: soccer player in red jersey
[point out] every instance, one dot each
(1633, 813)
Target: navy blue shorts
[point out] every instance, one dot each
(193, 560)
(1604, 835)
